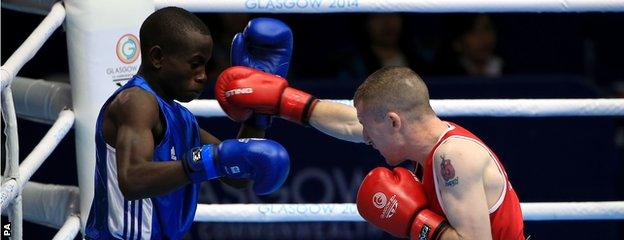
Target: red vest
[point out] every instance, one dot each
(505, 216)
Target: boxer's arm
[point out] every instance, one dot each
(337, 120)
(207, 138)
(459, 167)
(138, 176)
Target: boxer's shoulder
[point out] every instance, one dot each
(135, 107)
(130, 97)
(461, 152)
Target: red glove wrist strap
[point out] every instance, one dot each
(296, 105)
(428, 226)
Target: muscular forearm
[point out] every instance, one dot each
(152, 179)
(337, 120)
(451, 234)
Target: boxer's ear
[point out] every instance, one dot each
(156, 56)
(394, 120)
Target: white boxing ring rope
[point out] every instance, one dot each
(40, 153)
(613, 210)
(480, 107)
(70, 229)
(18, 174)
(432, 6)
(10, 191)
(347, 212)
(33, 43)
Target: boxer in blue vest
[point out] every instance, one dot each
(151, 154)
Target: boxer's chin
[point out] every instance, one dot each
(188, 97)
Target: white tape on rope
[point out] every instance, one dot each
(69, 230)
(40, 153)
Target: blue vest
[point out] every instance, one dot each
(166, 216)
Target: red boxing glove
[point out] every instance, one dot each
(242, 91)
(395, 201)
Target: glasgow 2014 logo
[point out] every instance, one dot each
(128, 49)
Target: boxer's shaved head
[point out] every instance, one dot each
(167, 28)
(397, 89)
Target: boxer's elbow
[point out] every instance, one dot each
(352, 132)
(131, 188)
(356, 132)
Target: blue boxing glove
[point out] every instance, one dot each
(265, 44)
(266, 162)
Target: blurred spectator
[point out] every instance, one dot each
(384, 44)
(470, 47)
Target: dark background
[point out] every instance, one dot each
(547, 159)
